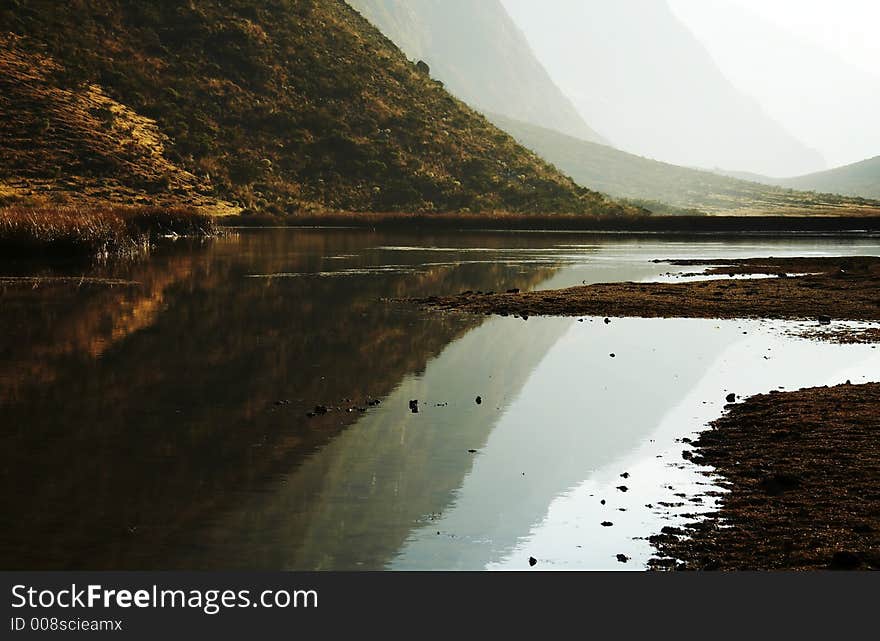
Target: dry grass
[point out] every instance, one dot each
(97, 231)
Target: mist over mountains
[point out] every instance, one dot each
(830, 104)
(290, 106)
(857, 179)
(481, 55)
(670, 189)
(271, 106)
(644, 81)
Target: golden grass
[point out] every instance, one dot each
(100, 231)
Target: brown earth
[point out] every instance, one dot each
(803, 469)
(842, 288)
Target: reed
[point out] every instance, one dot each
(98, 231)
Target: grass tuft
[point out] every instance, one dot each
(96, 231)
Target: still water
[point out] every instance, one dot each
(154, 415)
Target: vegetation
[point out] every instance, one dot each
(858, 179)
(278, 106)
(116, 230)
(481, 55)
(644, 181)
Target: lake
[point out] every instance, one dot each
(155, 414)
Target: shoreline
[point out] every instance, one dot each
(108, 230)
(822, 289)
(496, 221)
(801, 469)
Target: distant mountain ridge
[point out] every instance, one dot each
(667, 188)
(481, 55)
(268, 105)
(861, 179)
(639, 76)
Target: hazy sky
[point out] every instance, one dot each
(848, 28)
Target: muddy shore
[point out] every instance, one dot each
(796, 288)
(802, 468)
(803, 472)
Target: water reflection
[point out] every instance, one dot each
(161, 423)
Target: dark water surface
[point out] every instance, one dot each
(159, 420)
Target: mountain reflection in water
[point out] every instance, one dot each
(160, 422)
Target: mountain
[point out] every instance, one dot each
(638, 76)
(481, 56)
(678, 189)
(281, 106)
(858, 179)
(827, 102)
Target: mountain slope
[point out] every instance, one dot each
(624, 175)
(858, 179)
(640, 77)
(278, 105)
(81, 138)
(482, 57)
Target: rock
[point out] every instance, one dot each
(776, 484)
(731, 398)
(607, 523)
(513, 291)
(479, 400)
(623, 558)
(414, 406)
(374, 402)
(422, 67)
(824, 320)
(532, 561)
(320, 410)
(845, 561)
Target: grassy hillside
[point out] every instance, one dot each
(482, 57)
(858, 179)
(679, 189)
(279, 105)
